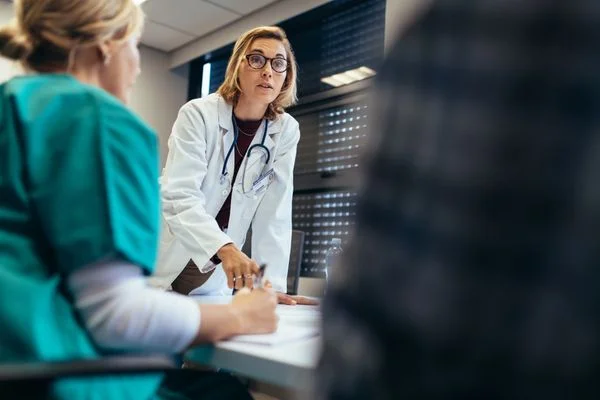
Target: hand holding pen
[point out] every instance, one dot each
(256, 308)
(282, 298)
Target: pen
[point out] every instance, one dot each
(259, 279)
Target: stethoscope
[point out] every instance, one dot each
(260, 145)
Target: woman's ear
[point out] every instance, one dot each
(105, 52)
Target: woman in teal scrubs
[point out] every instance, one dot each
(79, 209)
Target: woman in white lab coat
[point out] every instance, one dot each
(230, 167)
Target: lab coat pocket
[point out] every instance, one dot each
(251, 172)
(251, 202)
(253, 166)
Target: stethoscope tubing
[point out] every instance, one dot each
(260, 145)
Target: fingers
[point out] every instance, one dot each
(254, 268)
(229, 274)
(249, 281)
(283, 298)
(240, 271)
(239, 278)
(249, 271)
(306, 301)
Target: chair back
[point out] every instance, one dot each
(295, 264)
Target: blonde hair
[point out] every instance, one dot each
(45, 34)
(230, 88)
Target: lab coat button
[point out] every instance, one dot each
(225, 193)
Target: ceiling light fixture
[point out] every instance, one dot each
(347, 77)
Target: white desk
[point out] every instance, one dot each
(290, 365)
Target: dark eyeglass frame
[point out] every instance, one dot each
(267, 59)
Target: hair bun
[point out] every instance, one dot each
(14, 44)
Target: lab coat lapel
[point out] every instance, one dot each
(273, 129)
(227, 132)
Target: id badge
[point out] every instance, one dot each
(263, 181)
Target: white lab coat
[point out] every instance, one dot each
(192, 194)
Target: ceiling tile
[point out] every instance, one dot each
(195, 17)
(243, 6)
(162, 37)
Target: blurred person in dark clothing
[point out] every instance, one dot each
(475, 267)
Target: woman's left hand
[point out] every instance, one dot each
(283, 298)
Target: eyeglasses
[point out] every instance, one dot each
(258, 61)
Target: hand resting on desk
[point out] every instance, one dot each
(283, 298)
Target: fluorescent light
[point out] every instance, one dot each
(331, 81)
(342, 78)
(205, 86)
(356, 74)
(366, 70)
(347, 77)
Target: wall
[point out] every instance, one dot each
(270, 15)
(8, 68)
(159, 93)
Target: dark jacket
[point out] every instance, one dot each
(475, 267)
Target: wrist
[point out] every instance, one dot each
(225, 251)
(218, 322)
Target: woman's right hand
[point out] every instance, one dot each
(239, 268)
(249, 312)
(256, 310)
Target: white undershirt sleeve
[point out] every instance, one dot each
(122, 313)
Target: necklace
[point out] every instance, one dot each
(238, 151)
(246, 133)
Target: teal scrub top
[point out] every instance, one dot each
(78, 185)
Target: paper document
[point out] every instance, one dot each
(285, 334)
(299, 314)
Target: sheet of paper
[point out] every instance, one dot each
(299, 315)
(285, 334)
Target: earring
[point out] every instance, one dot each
(107, 58)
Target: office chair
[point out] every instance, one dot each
(295, 263)
(36, 377)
